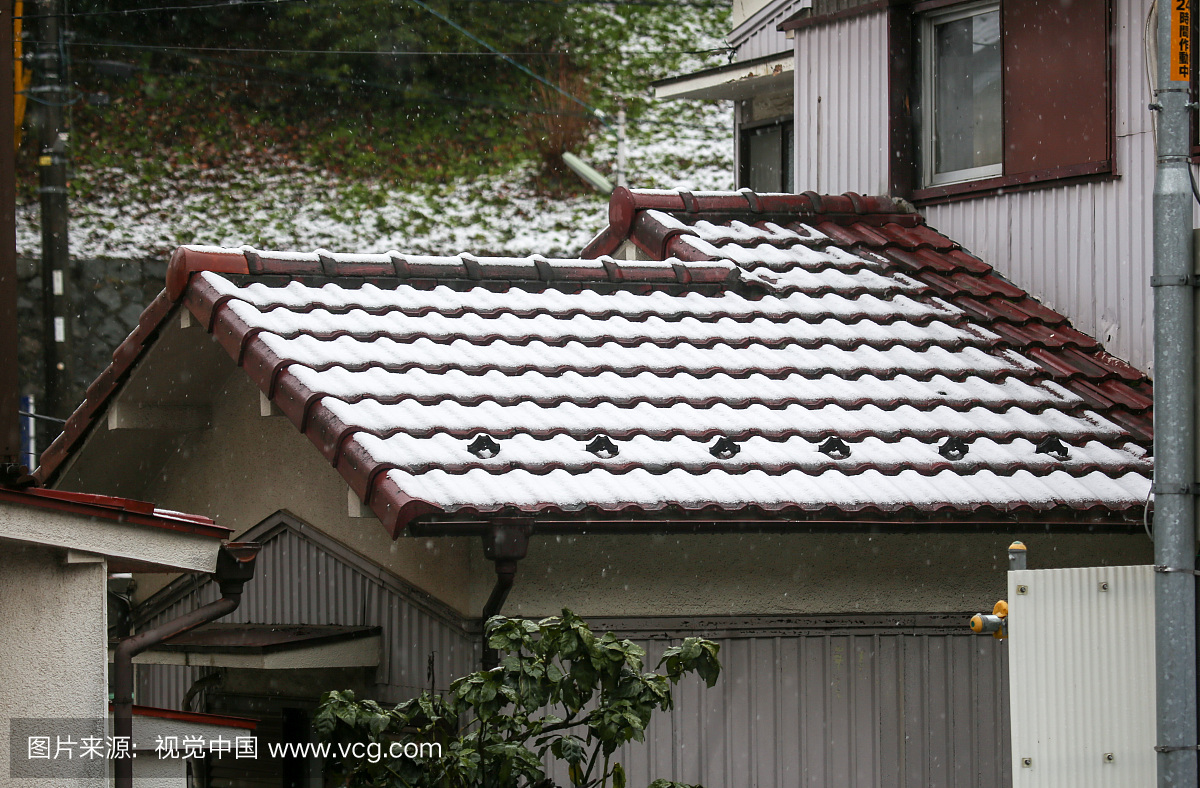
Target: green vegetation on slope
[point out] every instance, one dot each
(197, 100)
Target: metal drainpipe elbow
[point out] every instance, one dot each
(505, 543)
(235, 567)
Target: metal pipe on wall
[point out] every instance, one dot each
(504, 544)
(235, 567)
(1174, 411)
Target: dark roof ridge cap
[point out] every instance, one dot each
(187, 260)
(625, 202)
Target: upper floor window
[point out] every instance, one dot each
(999, 93)
(961, 119)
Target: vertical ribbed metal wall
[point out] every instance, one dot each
(841, 107)
(298, 581)
(1083, 249)
(835, 711)
(765, 39)
(870, 704)
(1082, 692)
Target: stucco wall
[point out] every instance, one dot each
(748, 574)
(246, 467)
(53, 637)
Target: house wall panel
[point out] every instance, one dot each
(841, 106)
(829, 708)
(764, 39)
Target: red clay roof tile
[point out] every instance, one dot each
(777, 321)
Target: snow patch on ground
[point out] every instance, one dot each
(673, 145)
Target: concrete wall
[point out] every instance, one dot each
(780, 574)
(109, 297)
(53, 638)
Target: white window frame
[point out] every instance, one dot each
(929, 177)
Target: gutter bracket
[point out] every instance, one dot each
(1169, 569)
(1189, 280)
(1177, 489)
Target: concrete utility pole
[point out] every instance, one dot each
(1174, 283)
(10, 432)
(51, 94)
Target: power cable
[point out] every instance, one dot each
(131, 11)
(245, 3)
(372, 52)
(389, 88)
(597, 113)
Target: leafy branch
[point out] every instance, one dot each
(559, 690)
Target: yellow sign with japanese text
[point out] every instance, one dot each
(1181, 40)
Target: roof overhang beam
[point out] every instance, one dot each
(741, 80)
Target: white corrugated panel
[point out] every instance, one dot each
(841, 106)
(1081, 688)
(765, 38)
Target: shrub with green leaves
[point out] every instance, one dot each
(558, 689)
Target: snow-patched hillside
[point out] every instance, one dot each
(679, 144)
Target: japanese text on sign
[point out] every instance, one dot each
(1181, 40)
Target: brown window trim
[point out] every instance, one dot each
(1026, 181)
(933, 5)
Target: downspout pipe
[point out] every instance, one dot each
(1174, 417)
(235, 566)
(505, 543)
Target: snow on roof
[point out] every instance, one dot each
(785, 357)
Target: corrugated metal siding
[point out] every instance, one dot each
(300, 582)
(764, 39)
(1085, 249)
(1083, 667)
(841, 106)
(835, 710)
(803, 706)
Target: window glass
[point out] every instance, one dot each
(765, 171)
(964, 82)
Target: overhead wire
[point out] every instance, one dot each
(245, 3)
(352, 82)
(596, 112)
(373, 52)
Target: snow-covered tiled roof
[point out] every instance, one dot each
(782, 358)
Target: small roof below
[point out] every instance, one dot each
(739, 80)
(269, 647)
(131, 535)
(197, 718)
(124, 510)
